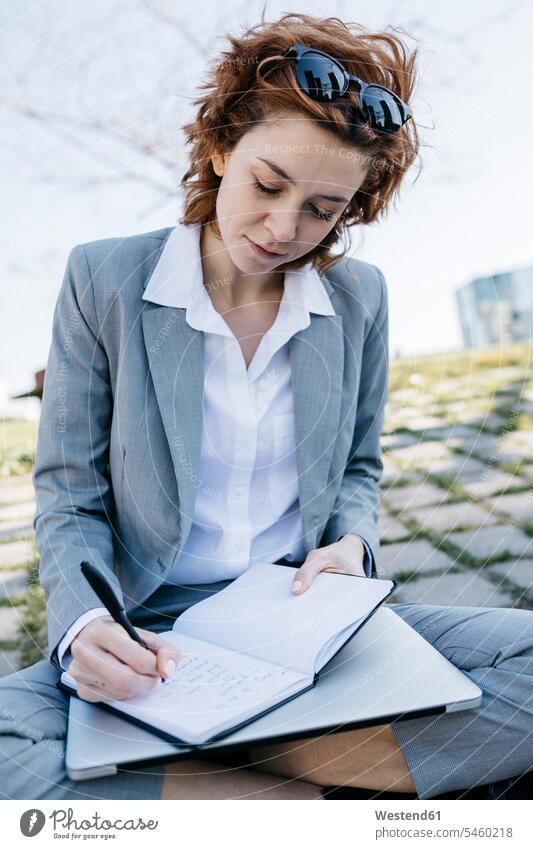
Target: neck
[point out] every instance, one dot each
(233, 286)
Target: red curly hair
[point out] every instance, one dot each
(245, 87)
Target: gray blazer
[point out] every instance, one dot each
(121, 422)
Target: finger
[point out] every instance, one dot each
(167, 654)
(356, 569)
(91, 663)
(90, 694)
(118, 642)
(88, 686)
(307, 572)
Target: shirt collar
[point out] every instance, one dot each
(177, 281)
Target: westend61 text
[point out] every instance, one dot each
(407, 815)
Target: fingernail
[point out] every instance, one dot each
(297, 585)
(170, 667)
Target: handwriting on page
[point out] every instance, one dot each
(218, 682)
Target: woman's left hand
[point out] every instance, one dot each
(345, 556)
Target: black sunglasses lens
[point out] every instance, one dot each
(383, 110)
(321, 78)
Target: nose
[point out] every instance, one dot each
(282, 225)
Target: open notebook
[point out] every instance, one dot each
(248, 649)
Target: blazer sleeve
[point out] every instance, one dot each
(70, 475)
(356, 508)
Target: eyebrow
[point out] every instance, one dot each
(281, 173)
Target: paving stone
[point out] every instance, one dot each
(490, 421)
(397, 440)
(423, 423)
(472, 416)
(391, 529)
(512, 442)
(520, 572)
(16, 488)
(518, 505)
(9, 662)
(417, 556)
(455, 465)
(525, 407)
(506, 449)
(527, 471)
(469, 589)
(468, 405)
(15, 553)
(406, 394)
(13, 584)
(10, 622)
(449, 433)
(391, 472)
(522, 438)
(447, 517)
(415, 495)
(492, 542)
(414, 454)
(24, 510)
(474, 443)
(491, 481)
(446, 387)
(15, 530)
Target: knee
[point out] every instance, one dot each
(516, 643)
(31, 705)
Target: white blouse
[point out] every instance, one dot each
(247, 506)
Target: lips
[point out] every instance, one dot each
(266, 250)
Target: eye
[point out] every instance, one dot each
(324, 216)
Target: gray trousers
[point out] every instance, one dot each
(444, 752)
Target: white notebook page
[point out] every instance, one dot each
(257, 614)
(211, 689)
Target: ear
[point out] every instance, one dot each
(219, 163)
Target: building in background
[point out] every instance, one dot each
(497, 309)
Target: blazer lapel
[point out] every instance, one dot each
(317, 367)
(176, 359)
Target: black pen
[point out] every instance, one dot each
(106, 594)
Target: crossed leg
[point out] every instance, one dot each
(431, 755)
(365, 757)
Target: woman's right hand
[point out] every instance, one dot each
(107, 664)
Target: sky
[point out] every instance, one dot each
(466, 215)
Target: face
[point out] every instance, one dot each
(283, 188)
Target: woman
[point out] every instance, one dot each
(214, 396)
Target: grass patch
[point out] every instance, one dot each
(33, 639)
(406, 575)
(18, 441)
(524, 422)
(9, 645)
(13, 602)
(527, 527)
(449, 483)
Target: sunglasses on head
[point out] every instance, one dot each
(323, 78)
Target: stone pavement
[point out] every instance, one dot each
(456, 524)
(17, 506)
